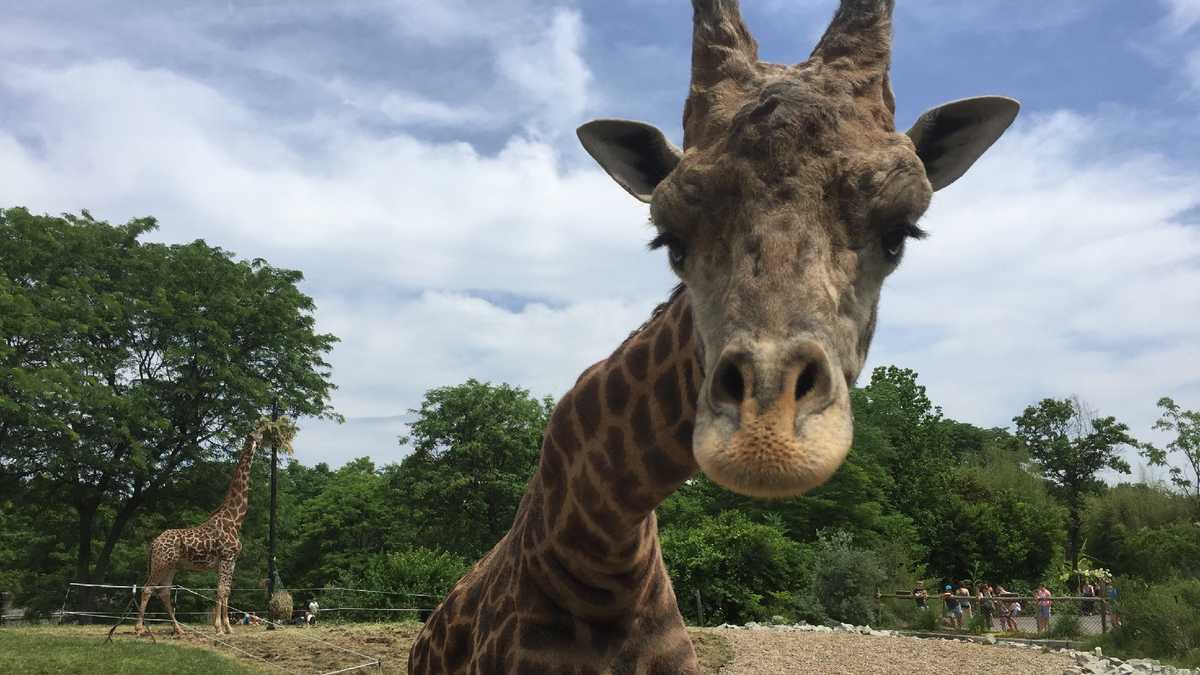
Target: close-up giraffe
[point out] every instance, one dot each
(789, 204)
(210, 546)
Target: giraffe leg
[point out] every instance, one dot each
(164, 594)
(151, 588)
(224, 583)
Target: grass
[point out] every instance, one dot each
(37, 651)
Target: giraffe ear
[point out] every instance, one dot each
(637, 155)
(950, 137)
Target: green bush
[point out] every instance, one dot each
(1066, 623)
(927, 619)
(1159, 621)
(846, 578)
(739, 567)
(977, 624)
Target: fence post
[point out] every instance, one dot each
(1104, 616)
(699, 607)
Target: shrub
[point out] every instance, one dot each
(926, 619)
(846, 578)
(1159, 621)
(743, 570)
(1066, 623)
(977, 624)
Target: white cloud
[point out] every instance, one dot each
(1053, 271)
(1062, 263)
(1182, 15)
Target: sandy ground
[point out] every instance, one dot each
(765, 651)
(332, 647)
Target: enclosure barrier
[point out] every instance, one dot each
(1015, 615)
(123, 601)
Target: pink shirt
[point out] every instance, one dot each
(1043, 596)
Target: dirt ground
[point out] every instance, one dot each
(331, 647)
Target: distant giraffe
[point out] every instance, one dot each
(213, 545)
(792, 200)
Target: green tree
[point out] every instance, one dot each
(475, 446)
(337, 530)
(123, 364)
(1185, 424)
(1070, 446)
(1143, 531)
(742, 569)
(846, 578)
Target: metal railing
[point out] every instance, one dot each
(1063, 617)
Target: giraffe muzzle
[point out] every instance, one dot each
(774, 421)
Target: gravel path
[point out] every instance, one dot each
(766, 651)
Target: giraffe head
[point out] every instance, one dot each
(792, 200)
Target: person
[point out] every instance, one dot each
(986, 605)
(1088, 591)
(313, 608)
(921, 595)
(953, 609)
(1011, 609)
(1112, 606)
(964, 594)
(1042, 594)
(245, 621)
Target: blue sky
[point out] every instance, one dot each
(417, 161)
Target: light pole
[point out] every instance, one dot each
(271, 571)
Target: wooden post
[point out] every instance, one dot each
(1104, 615)
(699, 607)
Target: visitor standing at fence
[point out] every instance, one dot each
(952, 609)
(986, 605)
(1043, 601)
(921, 595)
(1088, 591)
(964, 602)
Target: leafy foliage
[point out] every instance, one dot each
(475, 445)
(1071, 446)
(736, 565)
(125, 366)
(846, 578)
(1159, 619)
(1185, 424)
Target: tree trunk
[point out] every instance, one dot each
(83, 556)
(120, 522)
(1073, 528)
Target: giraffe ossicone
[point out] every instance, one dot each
(211, 546)
(791, 201)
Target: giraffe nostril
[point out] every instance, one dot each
(806, 382)
(731, 382)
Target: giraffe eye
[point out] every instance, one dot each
(894, 238)
(676, 249)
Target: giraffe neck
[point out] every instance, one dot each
(237, 497)
(618, 444)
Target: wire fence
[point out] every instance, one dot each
(334, 603)
(115, 604)
(1063, 617)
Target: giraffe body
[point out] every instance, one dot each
(212, 546)
(789, 205)
(578, 584)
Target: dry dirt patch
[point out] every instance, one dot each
(768, 651)
(721, 651)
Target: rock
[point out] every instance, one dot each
(990, 639)
(1098, 652)
(778, 620)
(754, 624)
